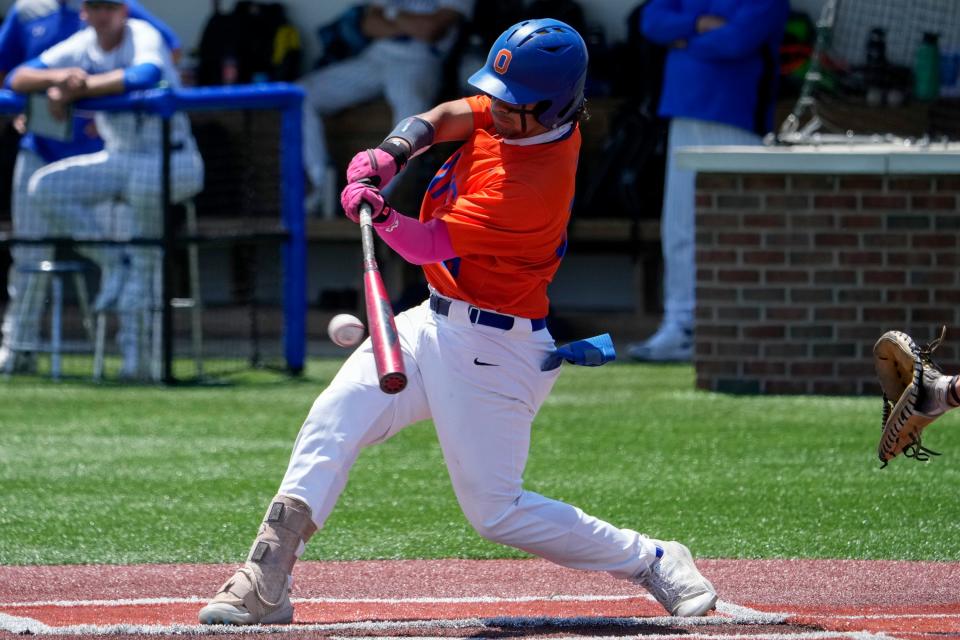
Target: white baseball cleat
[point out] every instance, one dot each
(674, 581)
(671, 343)
(240, 601)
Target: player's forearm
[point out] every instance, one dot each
(376, 26)
(34, 80)
(414, 241)
(105, 84)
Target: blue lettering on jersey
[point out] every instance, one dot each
(442, 182)
(453, 266)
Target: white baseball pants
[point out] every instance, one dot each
(677, 225)
(482, 416)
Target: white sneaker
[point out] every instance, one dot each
(671, 343)
(676, 583)
(17, 361)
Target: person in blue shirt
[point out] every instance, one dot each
(31, 27)
(718, 89)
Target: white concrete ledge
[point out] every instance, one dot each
(880, 159)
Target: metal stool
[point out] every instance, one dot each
(57, 270)
(152, 317)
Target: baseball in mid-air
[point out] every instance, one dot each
(345, 330)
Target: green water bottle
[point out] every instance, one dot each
(926, 71)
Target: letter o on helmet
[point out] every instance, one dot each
(537, 61)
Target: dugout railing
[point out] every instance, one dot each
(287, 227)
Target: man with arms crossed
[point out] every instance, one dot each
(491, 234)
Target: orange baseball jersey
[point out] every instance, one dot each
(506, 208)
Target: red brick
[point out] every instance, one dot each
(947, 260)
(909, 259)
(718, 368)
(829, 278)
(812, 332)
(786, 314)
(765, 332)
(706, 275)
(716, 332)
(818, 295)
(889, 203)
(862, 332)
(716, 294)
(856, 369)
(738, 238)
(722, 220)
(704, 201)
(764, 257)
(808, 369)
(885, 240)
(768, 220)
(836, 239)
(764, 368)
(737, 350)
(907, 296)
(946, 296)
(915, 184)
(947, 183)
(774, 239)
(738, 313)
(738, 202)
(839, 201)
(718, 182)
(813, 183)
(811, 258)
(884, 314)
(934, 241)
(835, 314)
(924, 278)
(859, 295)
(874, 258)
(765, 182)
(934, 316)
(884, 277)
(765, 294)
(748, 276)
(861, 221)
(910, 221)
(783, 276)
(946, 203)
(790, 202)
(789, 350)
(861, 183)
(716, 256)
(813, 221)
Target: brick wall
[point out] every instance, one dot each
(798, 275)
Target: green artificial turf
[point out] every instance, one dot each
(122, 474)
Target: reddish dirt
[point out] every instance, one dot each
(904, 600)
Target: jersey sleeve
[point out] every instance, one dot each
(506, 220)
(12, 51)
(480, 106)
(68, 53)
(148, 46)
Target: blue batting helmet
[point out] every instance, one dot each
(537, 61)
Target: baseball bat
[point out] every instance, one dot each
(383, 328)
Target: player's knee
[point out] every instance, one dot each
(492, 519)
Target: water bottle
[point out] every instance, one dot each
(926, 72)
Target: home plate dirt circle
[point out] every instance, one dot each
(788, 599)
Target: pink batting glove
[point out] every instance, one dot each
(356, 193)
(375, 165)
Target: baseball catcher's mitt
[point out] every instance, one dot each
(901, 366)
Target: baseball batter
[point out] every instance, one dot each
(31, 27)
(491, 235)
(114, 55)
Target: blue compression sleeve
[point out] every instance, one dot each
(141, 76)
